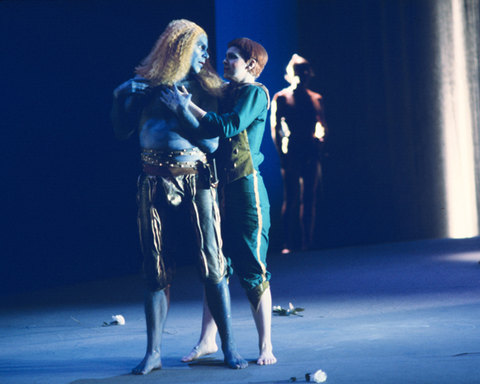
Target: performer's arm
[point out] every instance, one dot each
(191, 121)
(127, 100)
(251, 103)
(179, 102)
(321, 130)
(279, 127)
(207, 125)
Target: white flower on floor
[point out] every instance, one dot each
(317, 377)
(118, 320)
(278, 310)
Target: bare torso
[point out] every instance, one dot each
(159, 128)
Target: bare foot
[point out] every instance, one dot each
(235, 361)
(148, 364)
(200, 350)
(266, 358)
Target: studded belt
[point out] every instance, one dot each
(167, 158)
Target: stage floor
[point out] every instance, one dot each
(393, 313)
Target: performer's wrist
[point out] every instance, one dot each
(196, 111)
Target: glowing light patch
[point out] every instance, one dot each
(286, 135)
(461, 202)
(319, 130)
(469, 257)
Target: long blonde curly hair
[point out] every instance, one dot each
(170, 59)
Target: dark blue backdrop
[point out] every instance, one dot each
(68, 197)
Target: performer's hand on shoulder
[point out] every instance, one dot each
(133, 87)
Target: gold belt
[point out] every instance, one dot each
(166, 158)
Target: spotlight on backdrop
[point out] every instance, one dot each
(458, 126)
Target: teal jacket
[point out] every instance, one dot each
(240, 130)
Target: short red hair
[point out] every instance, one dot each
(250, 49)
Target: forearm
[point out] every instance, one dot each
(192, 123)
(196, 111)
(250, 104)
(128, 100)
(188, 117)
(122, 120)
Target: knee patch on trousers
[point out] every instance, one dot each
(255, 295)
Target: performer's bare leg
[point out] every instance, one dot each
(207, 343)
(218, 299)
(263, 321)
(308, 207)
(156, 309)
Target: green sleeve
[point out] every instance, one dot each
(251, 103)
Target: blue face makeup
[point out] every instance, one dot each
(200, 54)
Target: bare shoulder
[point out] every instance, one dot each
(314, 95)
(286, 92)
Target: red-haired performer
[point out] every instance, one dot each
(175, 187)
(246, 219)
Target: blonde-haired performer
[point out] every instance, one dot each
(246, 220)
(175, 188)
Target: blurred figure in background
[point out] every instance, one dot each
(299, 131)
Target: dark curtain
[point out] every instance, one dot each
(378, 65)
(68, 199)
